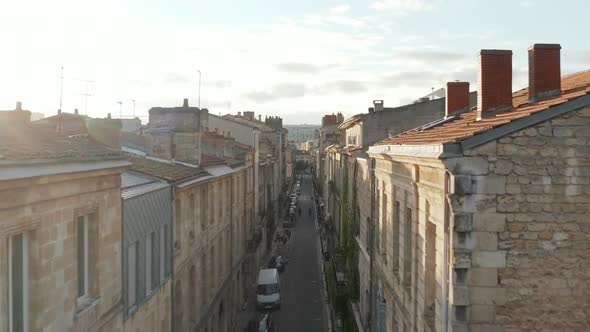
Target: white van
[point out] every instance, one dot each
(268, 295)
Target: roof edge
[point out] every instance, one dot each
(525, 122)
(440, 151)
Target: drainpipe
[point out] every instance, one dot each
(371, 246)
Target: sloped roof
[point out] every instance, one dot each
(207, 159)
(466, 125)
(29, 143)
(168, 171)
(253, 124)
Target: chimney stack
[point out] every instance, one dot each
(249, 115)
(76, 111)
(457, 98)
(495, 82)
(378, 104)
(185, 103)
(108, 115)
(259, 117)
(239, 113)
(544, 71)
(19, 106)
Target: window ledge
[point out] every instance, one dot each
(85, 305)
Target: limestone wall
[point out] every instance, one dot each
(46, 208)
(154, 314)
(212, 238)
(522, 237)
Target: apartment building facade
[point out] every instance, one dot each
(481, 215)
(60, 213)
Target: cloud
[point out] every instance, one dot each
(401, 6)
(283, 90)
(298, 68)
(340, 9)
(432, 56)
(526, 3)
(174, 78)
(343, 86)
(220, 84)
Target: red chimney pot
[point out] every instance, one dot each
(495, 82)
(457, 97)
(544, 71)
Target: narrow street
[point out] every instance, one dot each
(302, 307)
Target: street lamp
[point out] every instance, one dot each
(198, 71)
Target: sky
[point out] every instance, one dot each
(295, 59)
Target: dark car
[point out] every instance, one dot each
(277, 262)
(263, 323)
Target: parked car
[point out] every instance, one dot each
(262, 323)
(268, 295)
(277, 262)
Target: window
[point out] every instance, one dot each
(163, 251)
(204, 295)
(150, 263)
(212, 262)
(384, 227)
(132, 253)
(376, 220)
(430, 273)
(408, 243)
(368, 233)
(203, 209)
(82, 251)
(192, 294)
(18, 281)
(178, 224)
(395, 238)
(192, 215)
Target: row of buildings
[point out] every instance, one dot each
(469, 212)
(159, 229)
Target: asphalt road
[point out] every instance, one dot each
(302, 308)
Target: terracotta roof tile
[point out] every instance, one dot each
(465, 125)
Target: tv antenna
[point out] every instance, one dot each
(85, 94)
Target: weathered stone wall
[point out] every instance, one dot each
(47, 208)
(522, 235)
(154, 314)
(411, 285)
(213, 249)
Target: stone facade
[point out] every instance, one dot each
(47, 208)
(498, 238)
(212, 225)
(153, 315)
(523, 206)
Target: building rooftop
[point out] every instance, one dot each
(31, 142)
(463, 126)
(259, 125)
(166, 170)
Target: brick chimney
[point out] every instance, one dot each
(185, 103)
(544, 71)
(495, 82)
(457, 98)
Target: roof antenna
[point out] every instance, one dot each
(61, 90)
